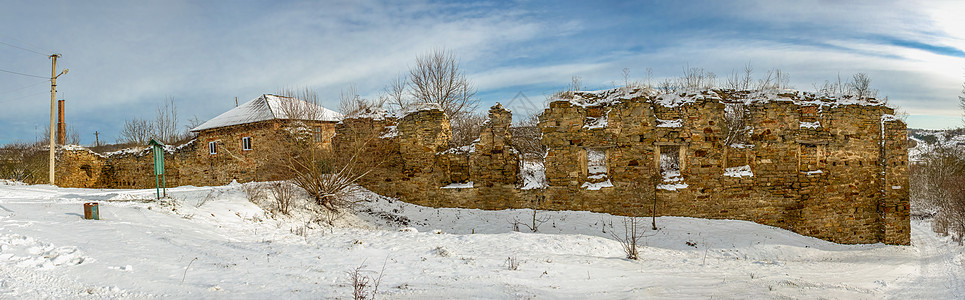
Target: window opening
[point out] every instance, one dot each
(596, 170)
(212, 148)
(317, 134)
(670, 168)
(246, 143)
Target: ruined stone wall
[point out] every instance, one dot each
(835, 169)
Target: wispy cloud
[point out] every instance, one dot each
(127, 57)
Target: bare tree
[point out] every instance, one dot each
(735, 121)
(135, 131)
(308, 108)
(165, 126)
(351, 104)
(938, 182)
(395, 94)
(437, 78)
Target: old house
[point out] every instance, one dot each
(236, 144)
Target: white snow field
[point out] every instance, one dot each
(211, 242)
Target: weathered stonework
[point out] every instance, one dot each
(831, 168)
(192, 163)
(835, 169)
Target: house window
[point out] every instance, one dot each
(246, 143)
(317, 134)
(212, 148)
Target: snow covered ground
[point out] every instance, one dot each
(211, 242)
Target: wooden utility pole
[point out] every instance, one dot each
(53, 107)
(97, 140)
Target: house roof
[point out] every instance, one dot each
(270, 107)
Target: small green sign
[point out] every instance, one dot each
(158, 150)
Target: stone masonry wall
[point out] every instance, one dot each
(191, 164)
(835, 169)
(831, 168)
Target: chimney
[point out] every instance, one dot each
(61, 126)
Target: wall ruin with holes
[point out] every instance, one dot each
(831, 168)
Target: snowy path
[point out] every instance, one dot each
(940, 270)
(230, 248)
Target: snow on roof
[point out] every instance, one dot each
(269, 107)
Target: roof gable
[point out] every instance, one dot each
(270, 107)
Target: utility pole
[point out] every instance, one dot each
(53, 107)
(97, 140)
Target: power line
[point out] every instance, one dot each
(18, 73)
(10, 92)
(22, 48)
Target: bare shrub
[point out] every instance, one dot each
(741, 81)
(466, 129)
(284, 193)
(512, 263)
(527, 137)
(696, 78)
(938, 182)
(632, 234)
(24, 162)
(364, 286)
(860, 85)
(254, 191)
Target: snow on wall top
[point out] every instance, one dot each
(269, 107)
(616, 95)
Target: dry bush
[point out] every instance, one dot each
(632, 235)
(284, 193)
(254, 191)
(329, 176)
(527, 137)
(364, 286)
(512, 263)
(938, 186)
(24, 162)
(466, 129)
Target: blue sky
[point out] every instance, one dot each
(126, 57)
